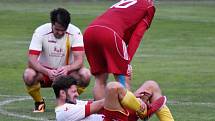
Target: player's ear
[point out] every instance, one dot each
(62, 94)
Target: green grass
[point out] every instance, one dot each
(177, 51)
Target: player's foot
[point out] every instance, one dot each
(39, 107)
(155, 106)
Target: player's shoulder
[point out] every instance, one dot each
(72, 29)
(43, 29)
(82, 102)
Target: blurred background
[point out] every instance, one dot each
(177, 52)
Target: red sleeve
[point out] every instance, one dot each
(136, 38)
(77, 48)
(87, 109)
(34, 52)
(128, 34)
(139, 32)
(150, 15)
(90, 101)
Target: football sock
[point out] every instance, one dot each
(34, 91)
(131, 102)
(80, 90)
(122, 80)
(164, 114)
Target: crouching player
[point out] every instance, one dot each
(119, 104)
(56, 49)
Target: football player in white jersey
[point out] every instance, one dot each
(119, 104)
(56, 49)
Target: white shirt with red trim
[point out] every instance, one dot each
(52, 51)
(76, 112)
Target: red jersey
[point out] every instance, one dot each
(124, 16)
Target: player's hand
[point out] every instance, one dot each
(62, 70)
(52, 74)
(145, 96)
(139, 95)
(143, 110)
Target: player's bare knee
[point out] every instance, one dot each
(28, 76)
(86, 79)
(113, 86)
(152, 85)
(84, 83)
(85, 75)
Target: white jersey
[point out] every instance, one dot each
(76, 112)
(53, 51)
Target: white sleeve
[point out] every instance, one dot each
(78, 39)
(82, 102)
(36, 42)
(76, 113)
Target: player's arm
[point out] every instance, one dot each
(138, 33)
(75, 65)
(136, 38)
(78, 60)
(77, 50)
(94, 107)
(34, 64)
(35, 49)
(81, 111)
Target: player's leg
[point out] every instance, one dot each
(128, 78)
(125, 80)
(114, 90)
(119, 63)
(121, 79)
(83, 76)
(118, 98)
(152, 91)
(99, 86)
(97, 54)
(113, 109)
(33, 86)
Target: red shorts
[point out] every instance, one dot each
(132, 115)
(105, 50)
(46, 82)
(115, 115)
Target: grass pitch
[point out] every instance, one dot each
(177, 52)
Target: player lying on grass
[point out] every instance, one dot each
(119, 104)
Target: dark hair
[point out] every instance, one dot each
(61, 16)
(62, 83)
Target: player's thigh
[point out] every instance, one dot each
(94, 45)
(113, 91)
(151, 87)
(84, 73)
(30, 76)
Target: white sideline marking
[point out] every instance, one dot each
(17, 98)
(14, 96)
(22, 98)
(13, 100)
(190, 103)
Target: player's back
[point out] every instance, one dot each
(124, 15)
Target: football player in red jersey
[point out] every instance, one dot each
(112, 39)
(120, 29)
